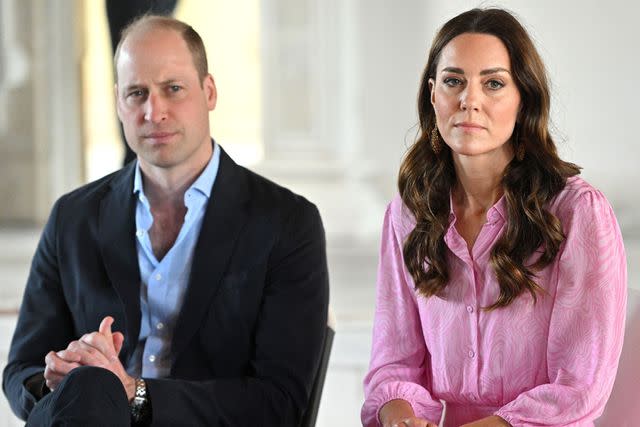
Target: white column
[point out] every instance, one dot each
(40, 128)
(16, 134)
(14, 66)
(56, 102)
(340, 82)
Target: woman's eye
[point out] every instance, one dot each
(494, 84)
(452, 81)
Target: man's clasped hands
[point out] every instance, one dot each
(99, 349)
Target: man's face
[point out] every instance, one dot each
(161, 102)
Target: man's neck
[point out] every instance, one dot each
(165, 187)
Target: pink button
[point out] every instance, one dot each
(470, 309)
(471, 354)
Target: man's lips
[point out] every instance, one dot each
(158, 136)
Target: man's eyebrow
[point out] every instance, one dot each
(168, 82)
(134, 86)
(457, 70)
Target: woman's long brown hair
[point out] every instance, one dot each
(426, 178)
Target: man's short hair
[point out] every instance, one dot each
(148, 22)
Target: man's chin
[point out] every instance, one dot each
(158, 160)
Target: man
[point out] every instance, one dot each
(183, 287)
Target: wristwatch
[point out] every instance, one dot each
(140, 404)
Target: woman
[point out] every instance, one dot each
(502, 280)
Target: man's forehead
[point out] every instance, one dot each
(136, 76)
(158, 45)
(141, 37)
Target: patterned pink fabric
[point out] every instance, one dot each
(548, 364)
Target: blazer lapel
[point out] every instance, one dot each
(116, 230)
(223, 221)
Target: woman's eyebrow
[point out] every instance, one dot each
(494, 70)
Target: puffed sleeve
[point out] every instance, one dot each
(587, 323)
(399, 367)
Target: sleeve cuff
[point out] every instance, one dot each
(424, 406)
(508, 418)
(36, 386)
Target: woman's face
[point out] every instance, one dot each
(474, 96)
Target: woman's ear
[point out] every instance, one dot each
(432, 90)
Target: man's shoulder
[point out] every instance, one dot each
(270, 209)
(92, 192)
(269, 195)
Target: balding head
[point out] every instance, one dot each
(150, 23)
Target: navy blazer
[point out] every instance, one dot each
(248, 338)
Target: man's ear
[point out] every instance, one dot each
(210, 91)
(115, 92)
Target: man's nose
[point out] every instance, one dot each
(155, 108)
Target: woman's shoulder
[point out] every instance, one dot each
(576, 196)
(400, 216)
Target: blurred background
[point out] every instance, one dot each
(318, 95)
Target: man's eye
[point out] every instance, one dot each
(175, 88)
(136, 93)
(495, 84)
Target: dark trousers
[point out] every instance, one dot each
(87, 396)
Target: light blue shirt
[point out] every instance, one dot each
(164, 282)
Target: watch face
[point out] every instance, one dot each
(141, 388)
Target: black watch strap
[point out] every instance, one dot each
(140, 404)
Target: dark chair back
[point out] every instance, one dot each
(309, 418)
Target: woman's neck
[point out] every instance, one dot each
(478, 182)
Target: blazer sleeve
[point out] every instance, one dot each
(289, 334)
(43, 303)
(587, 323)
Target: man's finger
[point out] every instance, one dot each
(113, 339)
(118, 341)
(56, 366)
(101, 343)
(105, 327)
(69, 356)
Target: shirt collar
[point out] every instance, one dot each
(203, 183)
(496, 212)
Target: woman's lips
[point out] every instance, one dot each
(469, 126)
